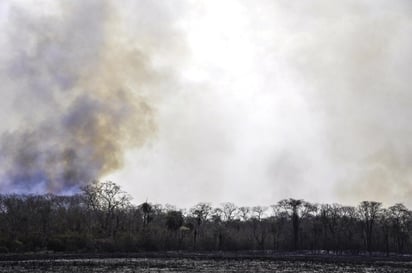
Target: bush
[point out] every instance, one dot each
(126, 243)
(56, 244)
(4, 249)
(67, 242)
(105, 245)
(146, 241)
(16, 246)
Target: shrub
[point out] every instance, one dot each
(4, 249)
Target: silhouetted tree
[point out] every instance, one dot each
(293, 207)
(368, 212)
(229, 210)
(398, 215)
(200, 212)
(244, 213)
(104, 198)
(147, 210)
(101, 218)
(278, 220)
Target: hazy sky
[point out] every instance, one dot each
(187, 101)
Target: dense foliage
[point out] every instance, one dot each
(102, 218)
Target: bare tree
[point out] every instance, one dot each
(329, 217)
(147, 210)
(368, 212)
(292, 206)
(174, 221)
(258, 212)
(216, 215)
(229, 211)
(296, 208)
(200, 212)
(244, 213)
(399, 215)
(384, 221)
(106, 198)
(278, 220)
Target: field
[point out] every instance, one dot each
(196, 264)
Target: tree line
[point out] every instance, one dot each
(102, 218)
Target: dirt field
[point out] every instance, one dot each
(120, 265)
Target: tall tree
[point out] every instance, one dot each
(399, 215)
(294, 209)
(104, 198)
(368, 212)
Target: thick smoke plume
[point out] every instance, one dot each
(76, 85)
(275, 99)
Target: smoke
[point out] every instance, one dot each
(354, 59)
(305, 99)
(223, 101)
(77, 84)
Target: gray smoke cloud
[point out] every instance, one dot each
(355, 62)
(223, 101)
(76, 83)
(308, 99)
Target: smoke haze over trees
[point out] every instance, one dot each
(102, 218)
(208, 100)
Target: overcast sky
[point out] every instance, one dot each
(242, 101)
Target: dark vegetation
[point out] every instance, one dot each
(102, 219)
